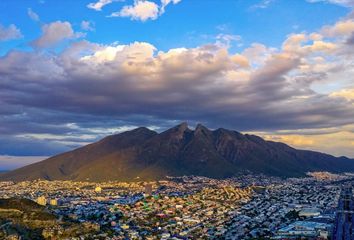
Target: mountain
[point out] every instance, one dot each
(144, 154)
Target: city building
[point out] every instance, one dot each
(42, 200)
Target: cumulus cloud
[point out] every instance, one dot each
(34, 16)
(60, 97)
(54, 33)
(9, 33)
(141, 10)
(144, 10)
(101, 3)
(341, 28)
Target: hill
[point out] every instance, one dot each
(144, 154)
(22, 218)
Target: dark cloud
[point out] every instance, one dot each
(350, 40)
(16, 146)
(54, 102)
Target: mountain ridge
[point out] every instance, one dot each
(143, 154)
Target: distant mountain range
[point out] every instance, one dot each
(144, 154)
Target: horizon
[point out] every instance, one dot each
(74, 72)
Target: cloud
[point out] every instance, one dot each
(350, 40)
(227, 39)
(72, 96)
(345, 3)
(9, 33)
(144, 10)
(164, 4)
(337, 141)
(262, 4)
(141, 10)
(21, 146)
(54, 33)
(12, 162)
(34, 16)
(341, 28)
(344, 93)
(87, 26)
(294, 140)
(101, 3)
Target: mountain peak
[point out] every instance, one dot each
(200, 129)
(182, 127)
(179, 151)
(176, 132)
(142, 130)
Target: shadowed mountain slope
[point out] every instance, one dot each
(144, 154)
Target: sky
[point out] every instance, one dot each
(72, 72)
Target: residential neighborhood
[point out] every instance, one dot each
(191, 207)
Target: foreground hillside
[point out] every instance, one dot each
(144, 154)
(24, 219)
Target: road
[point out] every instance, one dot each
(344, 221)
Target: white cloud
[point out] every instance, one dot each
(9, 33)
(341, 28)
(87, 26)
(101, 3)
(141, 10)
(144, 10)
(227, 39)
(34, 16)
(54, 33)
(164, 4)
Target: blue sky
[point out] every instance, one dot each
(72, 72)
(186, 24)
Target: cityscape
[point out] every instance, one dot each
(249, 207)
(177, 120)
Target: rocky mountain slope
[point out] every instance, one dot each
(144, 154)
